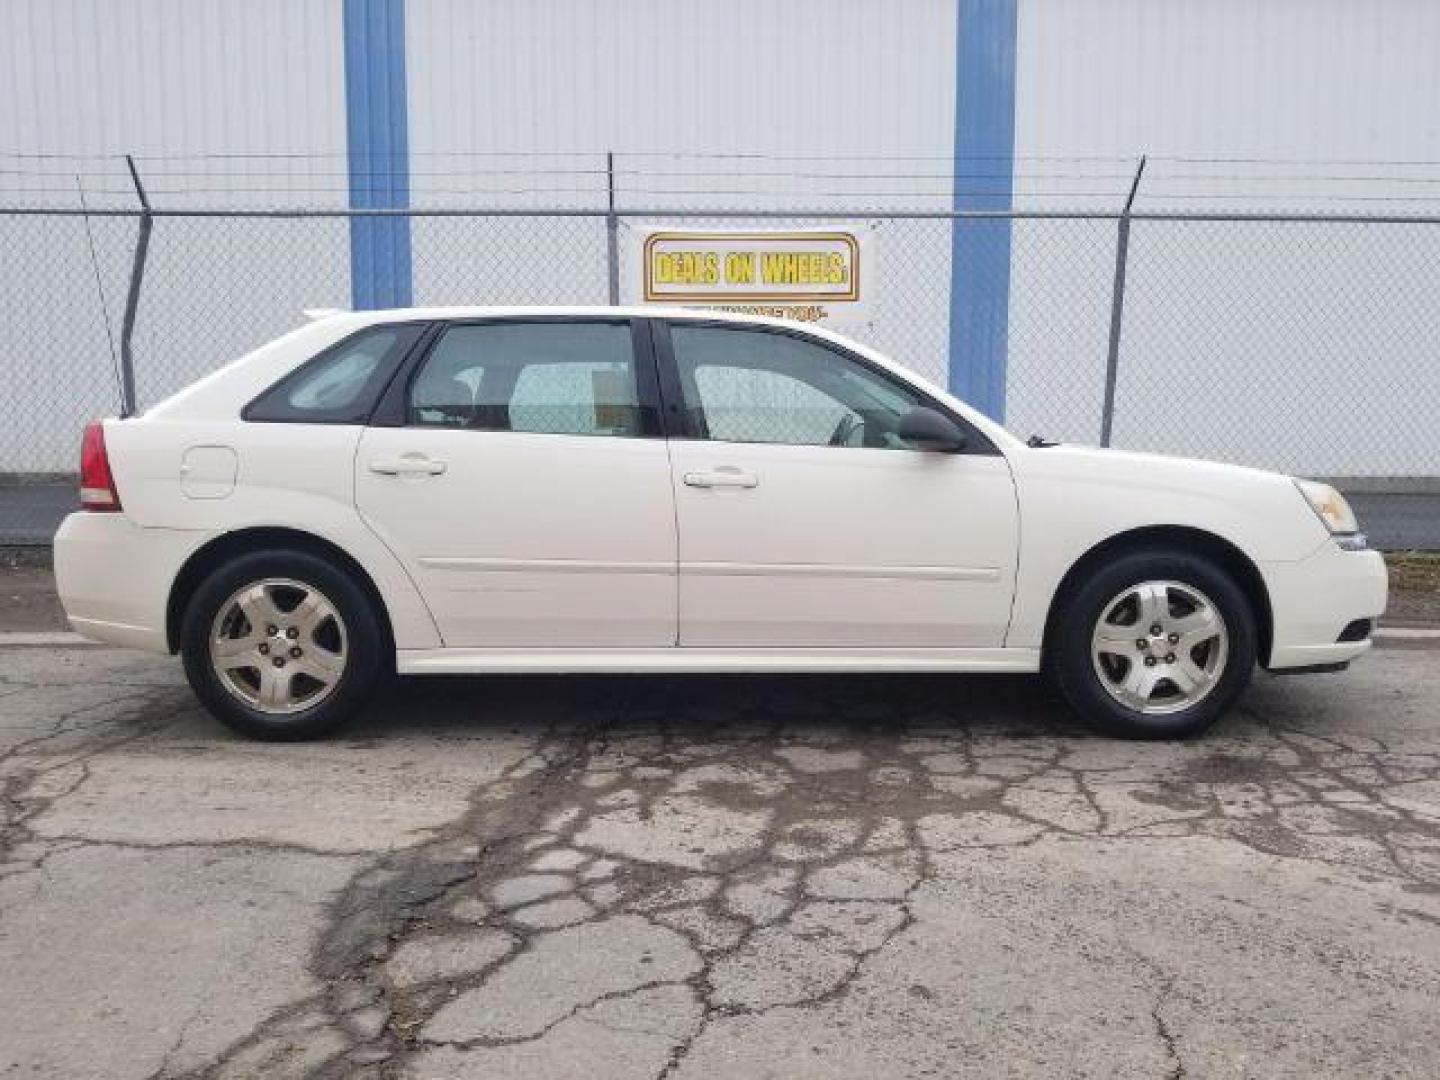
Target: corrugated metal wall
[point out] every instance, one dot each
(1271, 79)
(223, 104)
(682, 76)
(164, 79)
(1274, 105)
(1282, 80)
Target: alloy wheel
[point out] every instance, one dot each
(1159, 647)
(278, 645)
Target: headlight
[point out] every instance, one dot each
(1332, 509)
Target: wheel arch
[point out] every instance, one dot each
(1172, 537)
(228, 545)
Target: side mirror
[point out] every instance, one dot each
(926, 429)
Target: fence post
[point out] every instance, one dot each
(1117, 307)
(128, 403)
(612, 229)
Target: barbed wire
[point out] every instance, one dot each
(766, 177)
(119, 157)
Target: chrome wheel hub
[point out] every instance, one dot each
(1159, 647)
(278, 645)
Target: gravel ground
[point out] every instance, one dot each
(27, 596)
(1414, 590)
(717, 877)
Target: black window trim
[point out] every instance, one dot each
(392, 364)
(393, 409)
(679, 422)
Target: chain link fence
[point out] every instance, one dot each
(1304, 343)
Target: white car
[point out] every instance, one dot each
(643, 489)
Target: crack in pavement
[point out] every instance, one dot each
(620, 792)
(1171, 1041)
(117, 722)
(382, 905)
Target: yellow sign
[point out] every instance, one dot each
(751, 269)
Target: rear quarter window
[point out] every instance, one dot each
(340, 385)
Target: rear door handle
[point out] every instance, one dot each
(409, 465)
(724, 476)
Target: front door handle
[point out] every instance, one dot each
(724, 476)
(409, 465)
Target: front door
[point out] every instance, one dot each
(526, 492)
(804, 521)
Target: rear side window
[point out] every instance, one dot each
(342, 384)
(556, 378)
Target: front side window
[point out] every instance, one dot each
(558, 378)
(743, 385)
(340, 386)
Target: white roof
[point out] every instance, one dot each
(632, 311)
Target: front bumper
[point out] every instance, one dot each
(114, 577)
(1312, 602)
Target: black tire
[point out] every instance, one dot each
(365, 645)
(1070, 665)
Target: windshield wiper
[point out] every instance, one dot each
(1039, 442)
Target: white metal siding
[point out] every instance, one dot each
(686, 76)
(160, 78)
(163, 80)
(1229, 326)
(1229, 78)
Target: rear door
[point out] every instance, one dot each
(804, 521)
(526, 486)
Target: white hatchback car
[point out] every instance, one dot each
(615, 489)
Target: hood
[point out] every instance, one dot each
(1113, 491)
(1131, 467)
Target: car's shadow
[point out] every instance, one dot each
(699, 704)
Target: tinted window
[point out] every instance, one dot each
(341, 384)
(560, 378)
(753, 386)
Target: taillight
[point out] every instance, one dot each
(97, 485)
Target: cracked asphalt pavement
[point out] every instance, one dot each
(717, 877)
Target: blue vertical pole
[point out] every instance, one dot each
(377, 138)
(984, 180)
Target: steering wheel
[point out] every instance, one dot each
(848, 427)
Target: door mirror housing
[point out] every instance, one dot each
(926, 429)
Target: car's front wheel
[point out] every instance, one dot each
(1153, 644)
(281, 645)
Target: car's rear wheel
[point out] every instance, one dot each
(1153, 644)
(281, 645)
